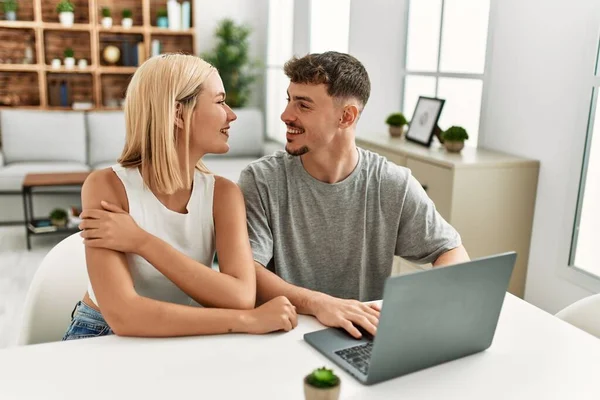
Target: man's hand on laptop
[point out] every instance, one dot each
(340, 313)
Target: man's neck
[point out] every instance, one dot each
(331, 165)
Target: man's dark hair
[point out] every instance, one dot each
(343, 74)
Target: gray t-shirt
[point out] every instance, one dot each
(340, 238)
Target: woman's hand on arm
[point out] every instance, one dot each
(129, 314)
(234, 287)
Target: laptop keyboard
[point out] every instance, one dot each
(357, 356)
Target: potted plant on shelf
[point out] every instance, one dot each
(127, 21)
(396, 122)
(106, 18)
(58, 217)
(322, 384)
(10, 10)
(454, 138)
(162, 18)
(69, 59)
(66, 13)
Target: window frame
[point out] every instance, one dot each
(483, 77)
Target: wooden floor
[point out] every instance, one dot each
(17, 267)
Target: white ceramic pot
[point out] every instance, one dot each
(107, 22)
(56, 63)
(127, 23)
(82, 63)
(66, 18)
(10, 15)
(69, 62)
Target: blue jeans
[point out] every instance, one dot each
(86, 323)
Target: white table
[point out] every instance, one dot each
(534, 356)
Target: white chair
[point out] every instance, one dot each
(59, 283)
(584, 314)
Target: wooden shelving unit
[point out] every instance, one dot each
(33, 85)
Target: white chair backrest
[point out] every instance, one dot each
(58, 284)
(584, 314)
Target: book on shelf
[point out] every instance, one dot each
(41, 226)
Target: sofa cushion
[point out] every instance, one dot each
(246, 135)
(103, 165)
(34, 135)
(106, 133)
(12, 175)
(229, 168)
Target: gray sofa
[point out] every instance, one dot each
(38, 141)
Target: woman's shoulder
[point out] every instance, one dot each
(103, 184)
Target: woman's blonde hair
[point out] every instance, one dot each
(156, 89)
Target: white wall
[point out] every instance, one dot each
(208, 13)
(537, 106)
(377, 39)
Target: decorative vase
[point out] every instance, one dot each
(107, 22)
(66, 18)
(69, 62)
(82, 63)
(127, 23)
(454, 146)
(56, 63)
(396, 131)
(10, 15)
(162, 22)
(314, 393)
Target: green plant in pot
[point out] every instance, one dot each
(322, 384)
(66, 12)
(396, 122)
(162, 18)
(454, 138)
(127, 21)
(10, 10)
(58, 217)
(232, 60)
(106, 20)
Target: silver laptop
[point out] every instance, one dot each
(428, 318)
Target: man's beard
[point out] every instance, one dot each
(301, 151)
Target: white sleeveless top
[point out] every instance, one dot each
(193, 233)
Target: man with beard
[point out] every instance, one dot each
(325, 217)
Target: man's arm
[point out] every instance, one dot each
(454, 256)
(329, 310)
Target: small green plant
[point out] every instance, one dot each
(161, 13)
(396, 119)
(106, 12)
(10, 6)
(65, 6)
(322, 378)
(69, 52)
(127, 13)
(455, 134)
(58, 214)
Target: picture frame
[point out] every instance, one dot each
(423, 123)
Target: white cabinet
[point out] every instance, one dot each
(489, 197)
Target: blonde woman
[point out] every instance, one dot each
(149, 256)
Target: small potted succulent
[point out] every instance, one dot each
(106, 18)
(69, 58)
(58, 217)
(396, 122)
(454, 138)
(127, 21)
(66, 13)
(162, 18)
(10, 10)
(322, 384)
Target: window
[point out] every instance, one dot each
(445, 58)
(587, 220)
(279, 50)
